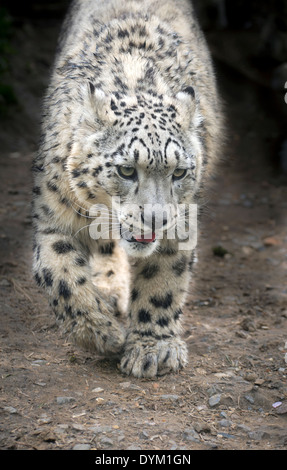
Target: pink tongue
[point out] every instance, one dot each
(146, 240)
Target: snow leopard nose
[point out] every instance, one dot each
(153, 220)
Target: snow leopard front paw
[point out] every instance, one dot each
(149, 358)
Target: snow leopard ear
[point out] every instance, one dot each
(186, 106)
(101, 104)
(189, 91)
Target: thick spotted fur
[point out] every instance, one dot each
(132, 86)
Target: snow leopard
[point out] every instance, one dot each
(131, 123)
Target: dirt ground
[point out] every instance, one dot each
(232, 395)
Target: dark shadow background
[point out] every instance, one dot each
(248, 40)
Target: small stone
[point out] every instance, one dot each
(281, 408)
(106, 441)
(170, 397)
(247, 250)
(5, 283)
(241, 334)
(211, 445)
(225, 423)
(78, 427)
(250, 376)
(100, 400)
(271, 241)
(259, 381)
(249, 398)
(82, 447)
(125, 384)
(258, 435)
(226, 435)
(44, 419)
(61, 428)
(10, 409)
(39, 362)
(135, 387)
(214, 400)
(248, 325)
(41, 384)
(190, 434)
(173, 447)
(201, 426)
(101, 429)
(243, 427)
(63, 400)
(213, 390)
(98, 390)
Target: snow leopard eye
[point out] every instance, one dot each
(127, 172)
(179, 173)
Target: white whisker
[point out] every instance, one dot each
(83, 215)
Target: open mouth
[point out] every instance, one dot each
(143, 238)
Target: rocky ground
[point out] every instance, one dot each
(232, 395)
